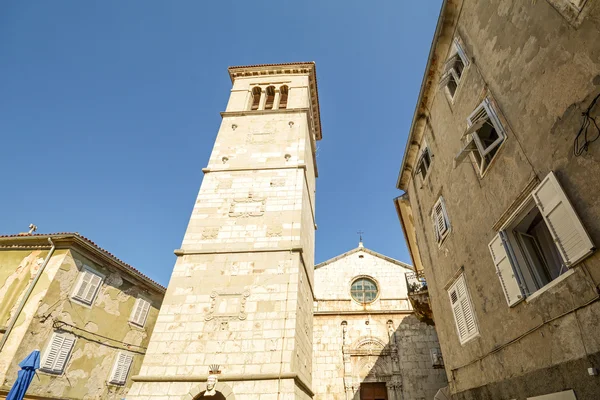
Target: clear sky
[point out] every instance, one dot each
(109, 110)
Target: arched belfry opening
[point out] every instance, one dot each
(283, 99)
(270, 91)
(256, 92)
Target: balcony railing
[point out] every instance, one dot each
(418, 295)
(415, 282)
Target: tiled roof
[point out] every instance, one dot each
(133, 270)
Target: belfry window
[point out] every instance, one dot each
(255, 98)
(270, 91)
(284, 97)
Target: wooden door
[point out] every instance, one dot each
(373, 391)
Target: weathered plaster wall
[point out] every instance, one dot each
(541, 72)
(93, 355)
(342, 326)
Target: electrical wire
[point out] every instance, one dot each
(582, 141)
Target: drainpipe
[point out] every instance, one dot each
(13, 320)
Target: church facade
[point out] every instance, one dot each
(368, 344)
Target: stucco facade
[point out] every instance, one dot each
(377, 347)
(241, 291)
(101, 330)
(534, 68)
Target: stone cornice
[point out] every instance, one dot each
(442, 40)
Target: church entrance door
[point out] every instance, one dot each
(373, 391)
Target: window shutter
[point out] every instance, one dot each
(440, 220)
(461, 52)
(460, 157)
(89, 282)
(58, 352)
(83, 285)
(509, 280)
(462, 310)
(121, 368)
(140, 312)
(93, 288)
(564, 225)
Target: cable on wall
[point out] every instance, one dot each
(582, 141)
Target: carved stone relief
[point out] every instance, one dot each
(226, 305)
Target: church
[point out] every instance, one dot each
(247, 314)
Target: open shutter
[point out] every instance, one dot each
(459, 317)
(460, 157)
(571, 238)
(440, 221)
(509, 279)
(64, 352)
(83, 285)
(461, 52)
(463, 311)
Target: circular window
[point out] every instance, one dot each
(364, 290)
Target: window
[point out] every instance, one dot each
(284, 97)
(464, 316)
(87, 286)
(57, 352)
(541, 242)
(423, 163)
(572, 10)
(255, 98)
(140, 312)
(118, 375)
(483, 137)
(270, 91)
(364, 290)
(441, 223)
(454, 68)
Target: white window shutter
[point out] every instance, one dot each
(140, 312)
(462, 310)
(121, 368)
(509, 280)
(93, 288)
(440, 220)
(461, 52)
(57, 353)
(89, 283)
(571, 238)
(83, 284)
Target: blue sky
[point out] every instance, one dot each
(109, 110)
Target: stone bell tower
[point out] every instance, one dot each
(241, 292)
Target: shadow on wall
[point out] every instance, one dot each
(406, 366)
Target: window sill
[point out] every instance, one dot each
(466, 341)
(82, 303)
(550, 285)
(136, 326)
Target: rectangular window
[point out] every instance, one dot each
(57, 352)
(540, 243)
(483, 137)
(441, 223)
(87, 286)
(118, 375)
(454, 68)
(140, 312)
(464, 316)
(423, 163)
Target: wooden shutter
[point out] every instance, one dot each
(440, 220)
(462, 310)
(509, 279)
(93, 288)
(121, 368)
(89, 283)
(564, 225)
(83, 284)
(140, 312)
(58, 352)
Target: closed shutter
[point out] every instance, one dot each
(140, 312)
(57, 353)
(564, 225)
(121, 368)
(509, 279)
(89, 283)
(463, 311)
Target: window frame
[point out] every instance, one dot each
(419, 164)
(138, 300)
(440, 205)
(369, 278)
(548, 197)
(466, 297)
(473, 143)
(457, 53)
(45, 354)
(79, 282)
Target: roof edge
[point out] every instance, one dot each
(368, 251)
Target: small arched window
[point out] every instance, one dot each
(255, 98)
(284, 97)
(270, 97)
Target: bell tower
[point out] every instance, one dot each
(241, 294)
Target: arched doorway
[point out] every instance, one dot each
(217, 396)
